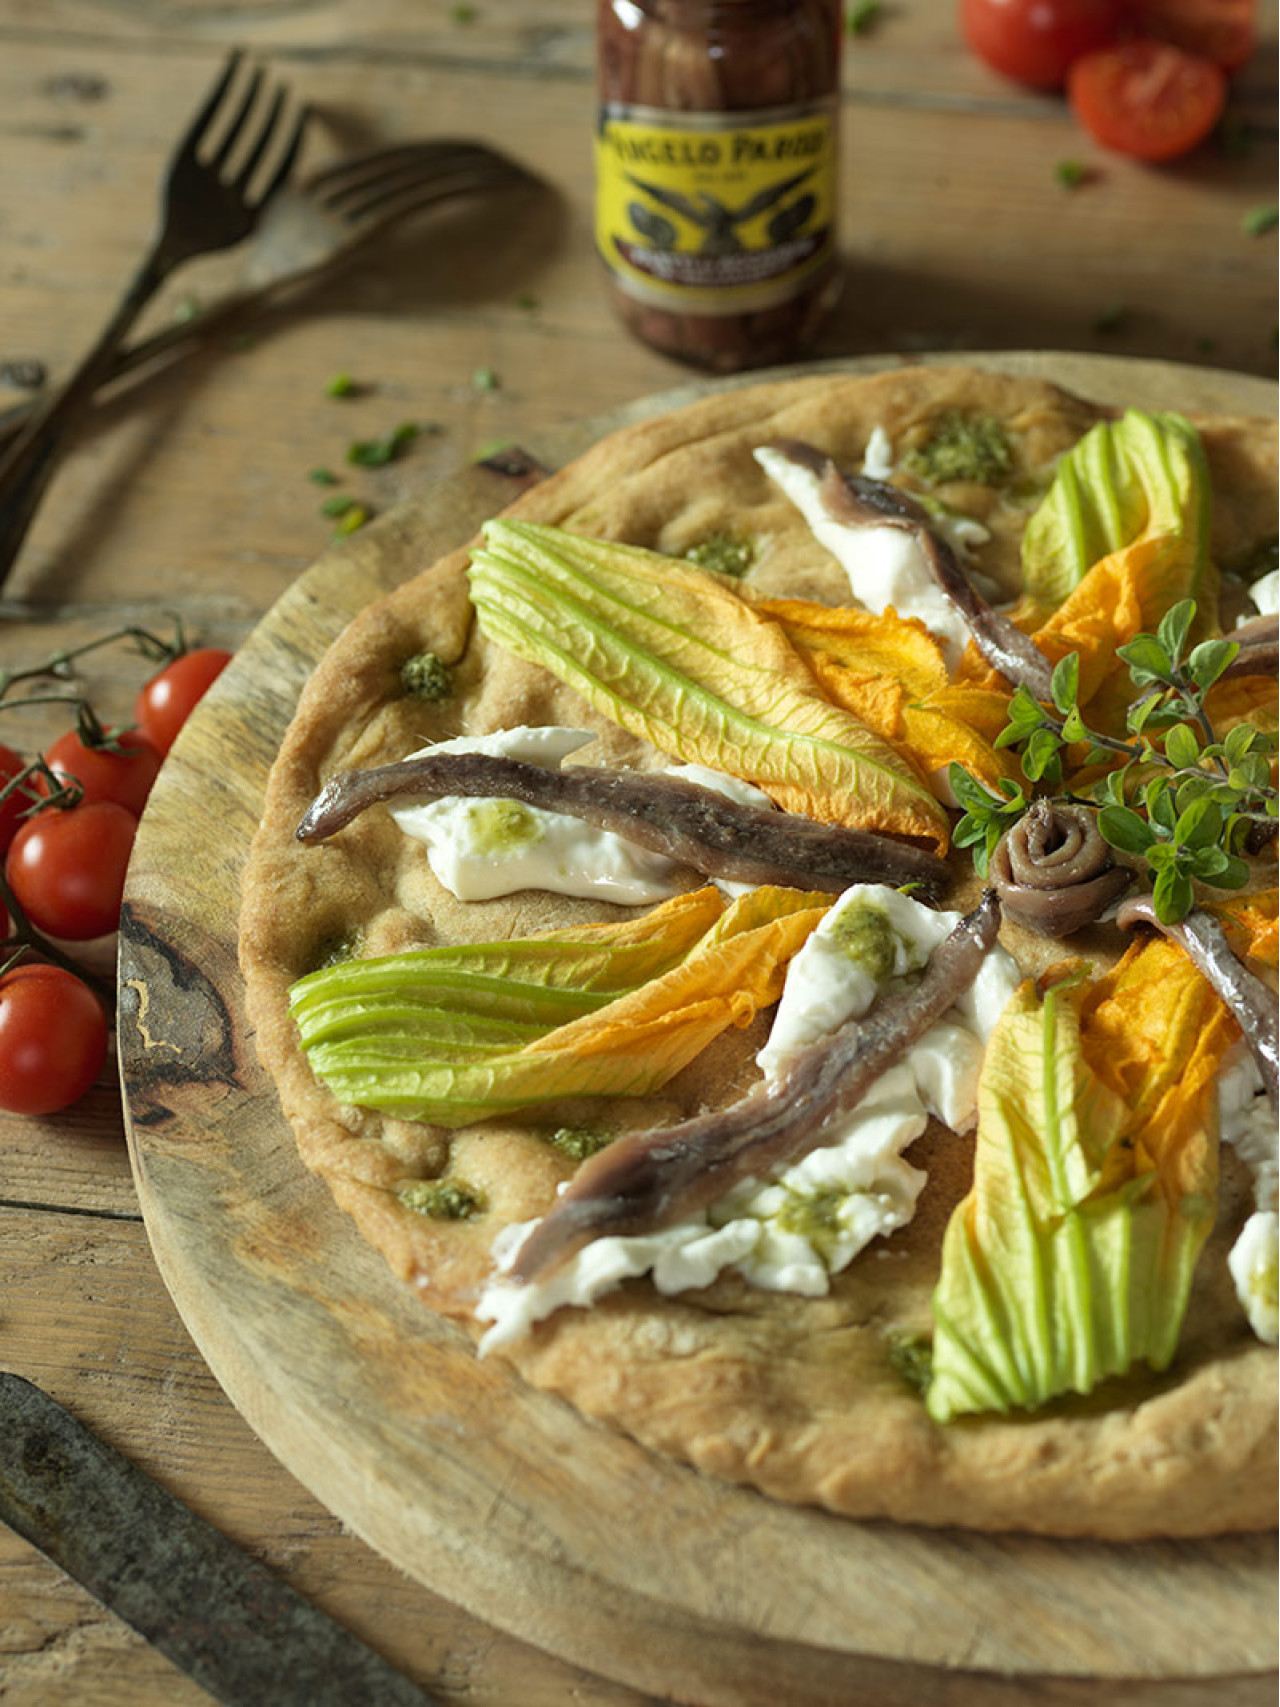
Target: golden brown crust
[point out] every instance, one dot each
(799, 1397)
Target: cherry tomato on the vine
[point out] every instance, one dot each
(168, 699)
(67, 866)
(11, 810)
(1225, 31)
(53, 1039)
(1036, 41)
(1147, 98)
(122, 772)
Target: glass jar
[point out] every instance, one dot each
(716, 173)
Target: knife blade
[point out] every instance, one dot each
(227, 1621)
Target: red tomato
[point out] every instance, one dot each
(53, 1039)
(1147, 98)
(124, 776)
(67, 865)
(1225, 31)
(11, 764)
(169, 698)
(1035, 41)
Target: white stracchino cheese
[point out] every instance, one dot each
(1247, 1123)
(482, 848)
(885, 564)
(792, 1232)
(1265, 593)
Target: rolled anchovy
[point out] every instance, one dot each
(1250, 1000)
(853, 500)
(1053, 871)
(1259, 643)
(690, 824)
(648, 1180)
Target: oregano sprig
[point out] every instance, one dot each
(1175, 794)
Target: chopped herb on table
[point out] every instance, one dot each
(376, 453)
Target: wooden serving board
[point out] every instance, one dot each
(504, 1499)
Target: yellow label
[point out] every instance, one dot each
(715, 213)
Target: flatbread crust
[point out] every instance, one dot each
(797, 1396)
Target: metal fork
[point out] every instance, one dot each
(314, 228)
(208, 202)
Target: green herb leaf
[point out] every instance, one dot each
(1259, 220)
(1071, 174)
(863, 17)
(1173, 896)
(1064, 685)
(1181, 747)
(376, 453)
(1147, 659)
(1121, 827)
(1174, 627)
(1209, 660)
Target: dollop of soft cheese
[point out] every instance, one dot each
(1247, 1123)
(794, 1231)
(885, 564)
(484, 847)
(481, 848)
(1265, 593)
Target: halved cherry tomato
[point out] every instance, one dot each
(1225, 31)
(67, 866)
(12, 809)
(123, 772)
(53, 1039)
(1147, 98)
(168, 699)
(1036, 41)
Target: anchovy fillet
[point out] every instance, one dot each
(1250, 1000)
(1259, 643)
(1053, 871)
(690, 824)
(854, 501)
(648, 1180)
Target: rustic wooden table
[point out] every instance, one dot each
(190, 496)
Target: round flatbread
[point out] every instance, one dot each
(802, 1397)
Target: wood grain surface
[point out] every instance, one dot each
(553, 1529)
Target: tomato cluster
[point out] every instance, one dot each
(1146, 78)
(64, 865)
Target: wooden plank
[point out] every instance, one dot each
(87, 1318)
(913, 55)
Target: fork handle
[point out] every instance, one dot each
(29, 465)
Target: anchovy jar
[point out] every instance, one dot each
(716, 173)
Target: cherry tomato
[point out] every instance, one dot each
(53, 1039)
(1225, 31)
(11, 811)
(1036, 41)
(1147, 98)
(66, 868)
(124, 775)
(168, 699)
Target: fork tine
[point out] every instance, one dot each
(354, 198)
(289, 158)
(200, 123)
(397, 203)
(266, 129)
(223, 152)
(346, 174)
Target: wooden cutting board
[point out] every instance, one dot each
(504, 1499)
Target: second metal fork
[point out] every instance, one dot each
(210, 201)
